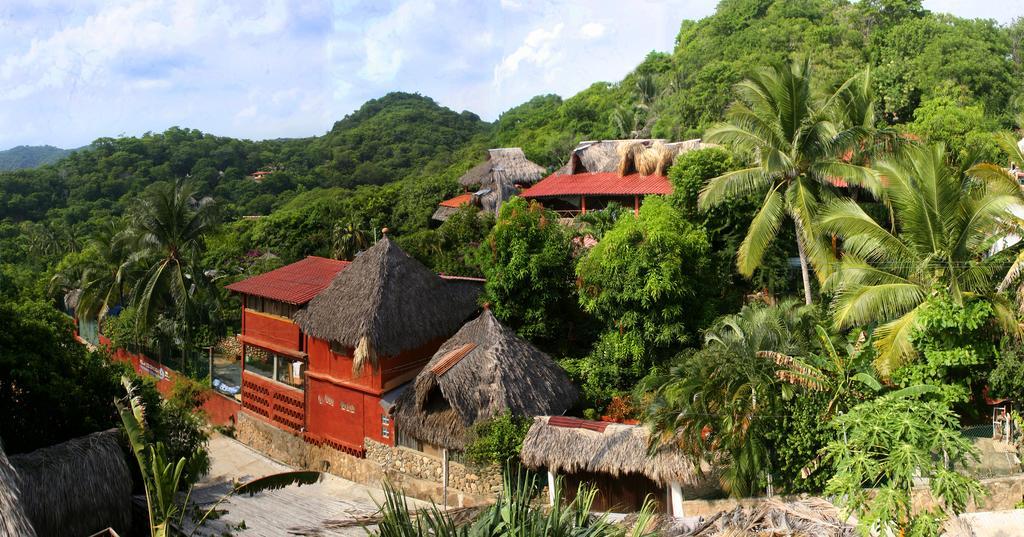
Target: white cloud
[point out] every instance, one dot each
(537, 49)
(592, 30)
(384, 39)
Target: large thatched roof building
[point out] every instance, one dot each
(600, 172)
(78, 487)
(492, 182)
(503, 165)
(617, 459)
(359, 340)
(384, 303)
(485, 369)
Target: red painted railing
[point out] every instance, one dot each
(282, 405)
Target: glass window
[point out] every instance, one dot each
(274, 366)
(289, 371)
(259, 361)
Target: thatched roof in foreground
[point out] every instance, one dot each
(386, 302)
(483, 370)
(648, 156)
(617, 450)
(78, 487)
(503, 165)
(13, 521)
(810, 516)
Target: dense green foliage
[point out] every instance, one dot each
(498, 440)
(527, 261)
(889, 443)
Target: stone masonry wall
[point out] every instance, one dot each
(484, 481)
(405, 469)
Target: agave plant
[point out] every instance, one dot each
(515, 513)
(161, 478)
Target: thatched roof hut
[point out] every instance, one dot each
(649, 156)
(484, 370)
(386, 302)
(78, 487)
(571, 445)
(504, 165)
(13, 521)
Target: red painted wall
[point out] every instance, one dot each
(281, 405)
(220, 410)
(334, 413)
(271, 328)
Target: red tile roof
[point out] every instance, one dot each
(577, 423)
(452, 358)
(601, 183)
(457, 201)
(297, 283)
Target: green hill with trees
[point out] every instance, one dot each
(30, 156)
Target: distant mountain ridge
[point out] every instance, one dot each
(30, 156)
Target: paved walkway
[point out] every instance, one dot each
(327, 508)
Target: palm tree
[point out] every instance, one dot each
(170, 223)
(104, 275)
(348, 240)
(713, 403)
(798, 147)
(947, 221)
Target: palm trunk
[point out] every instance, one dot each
(804, 270)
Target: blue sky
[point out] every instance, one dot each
(73, 71)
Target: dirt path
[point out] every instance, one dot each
(326, 508)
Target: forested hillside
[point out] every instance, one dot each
(30, 156)
(391, 161)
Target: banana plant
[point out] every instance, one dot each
(161, 478)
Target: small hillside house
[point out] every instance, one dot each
(484, 370)
(490, 183)
(326, 343)
(601, 172)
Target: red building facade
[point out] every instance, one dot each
(302, 325)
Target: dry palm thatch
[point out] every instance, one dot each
(812, 517)
(13, 521)
(78, 487)
(491, 198)
(484, 370)
(649, 156)
(386, 302)
(503, 165)
(593, 157)
(618, 450)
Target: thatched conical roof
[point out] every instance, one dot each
(483, 370)
(386, 302)
(13, 521)
(569, 445)
(503, 165)
(78, 487)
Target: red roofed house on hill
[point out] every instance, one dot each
(601, 172)
(327, 345)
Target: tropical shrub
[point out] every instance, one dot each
(498, 440)
(527, 262)
(957, 345)
(889, 443)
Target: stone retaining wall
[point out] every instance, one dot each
(485, 481)
(414, 478)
